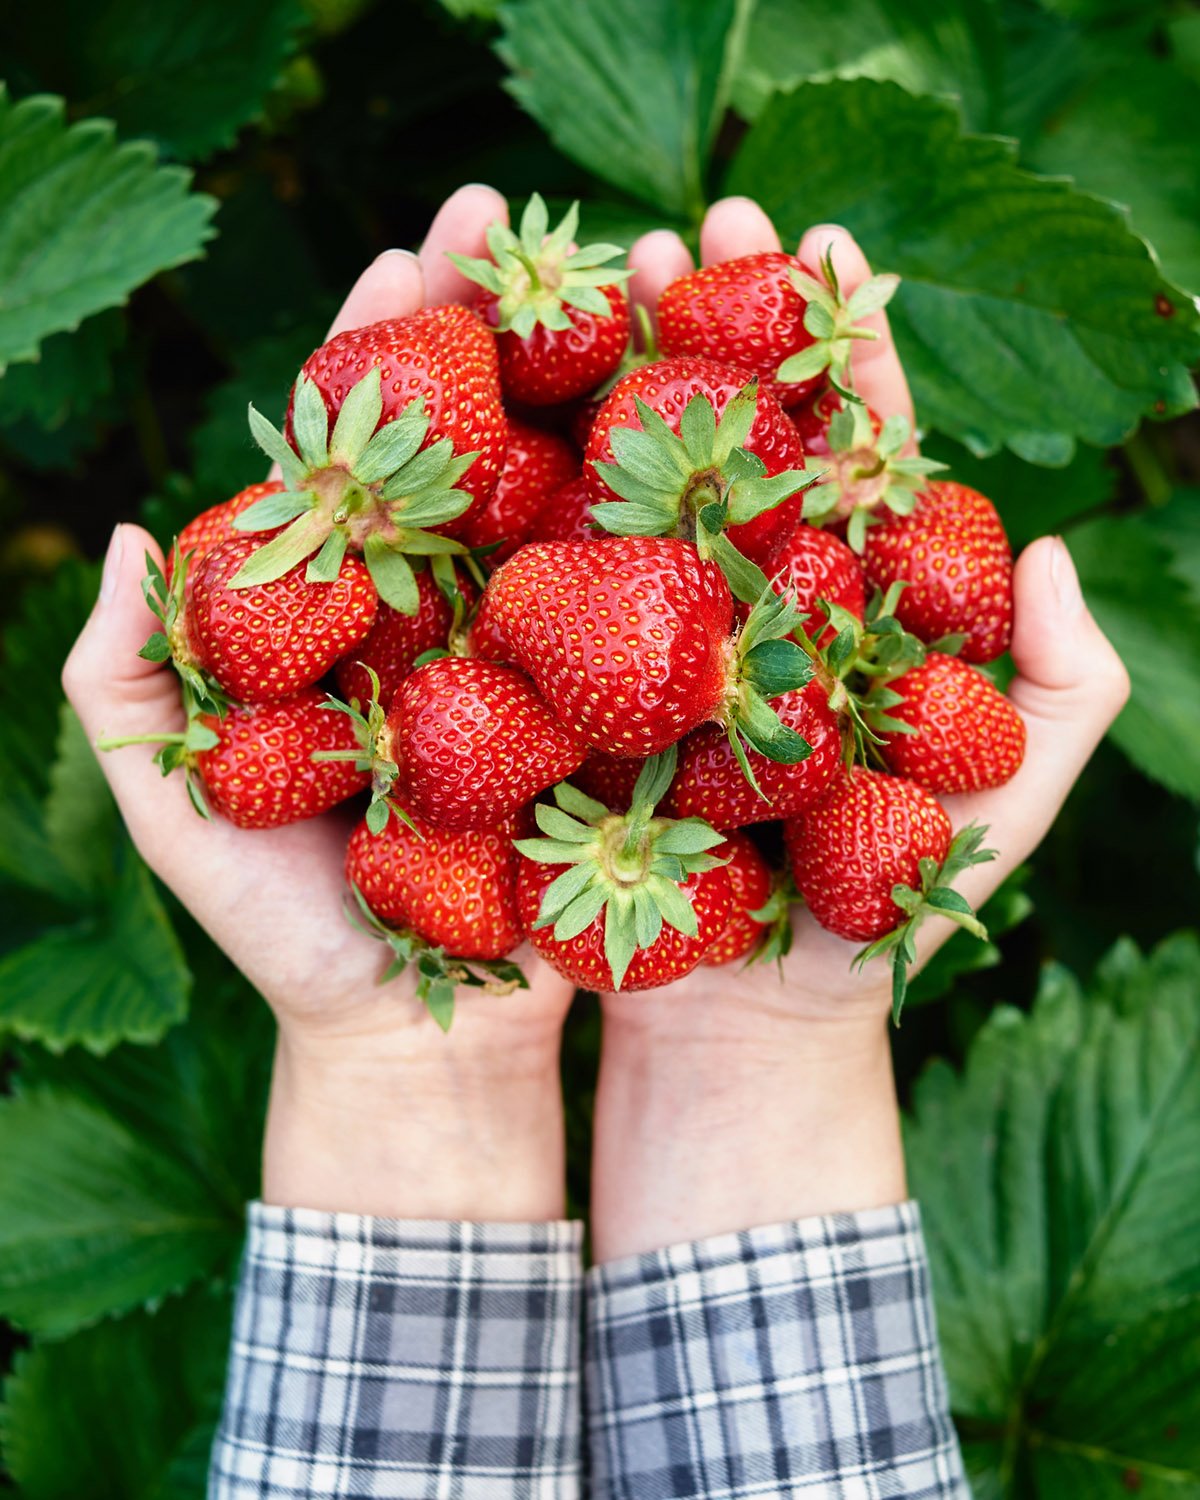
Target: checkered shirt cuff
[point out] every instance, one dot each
(409, 1360)
(798, 1359)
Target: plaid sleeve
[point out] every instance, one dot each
(403, 1359)
(799, 1359)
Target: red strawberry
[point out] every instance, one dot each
(581, 959)
(704, 471)
(260, 773)
(395, 640)
(955, 558)
(709, 783)
(815, 564)
(750, 887)
(443, 354)
(485, 637)
(622, 902)
(537, 465)
(609, 778)
(767, 313)
(560, 314)
(968, 735)
(566, 515)
(203, 532)
(473, 743)
(865, 836)
(629, 641)
(274, 639)
(453, 890)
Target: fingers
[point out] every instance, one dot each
(656, 260)
(392, 286)
(734, 227)
(1070, 686)
(878, 376)
(460, 225)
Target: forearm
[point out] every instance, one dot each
(425, 1129)
(772, 1120)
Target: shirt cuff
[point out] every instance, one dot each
(406, 1359)
(795, 1359)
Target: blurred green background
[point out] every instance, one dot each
(186, 193)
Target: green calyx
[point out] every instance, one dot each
(535, 275)
(439, 974)
(776, 916)
(201, 695)
(696, 483)
(832, 320)
(934, 898)
(373, 753)
(768, 663)
(866, 472)
(628, 866)
(352, 488)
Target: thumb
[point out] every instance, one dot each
(117, 694)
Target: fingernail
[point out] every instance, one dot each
(1064, 579)
(112, 564)
(407, 254)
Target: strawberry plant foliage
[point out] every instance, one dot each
(71, 1406)
(185, 75)
(1061, 1189)
(992, 311)
(84, 221)
(634, 92)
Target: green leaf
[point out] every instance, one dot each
(926, 46)
(1060, 1184)
(392, 575)
(83, 221)
(126, 1410)
(1129, 135)
(1153, 619)
(1029, 313)
(110, 971)
(80, 816)
(187, 76)
(633, 92)
(71, 389)
(964, 954)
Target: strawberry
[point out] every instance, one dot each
(769, 314)
(750, 887)
(867, 463)
(272, 640)
(395, 640)
(560, 314)
(875, 857)
(566, 515)
(455, 890)
(473, 743)
(815, 564)
(609, 778)
(954, 556)
(629, 641)
(454, 896)
(260, 773)
(710, 785)
(394, 432)
(536, 466)
(485, 637)
(738, 462)
(965, 734)
(216, 524)
(622, 901)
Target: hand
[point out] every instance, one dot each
(746, 1096)
(372, 1108)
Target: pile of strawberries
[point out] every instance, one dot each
(568, 613)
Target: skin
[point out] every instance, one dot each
(726, 1100)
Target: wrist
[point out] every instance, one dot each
(749, 1118)
(418, 1125)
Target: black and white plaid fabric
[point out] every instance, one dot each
(799, 1359)
(378, 1358)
